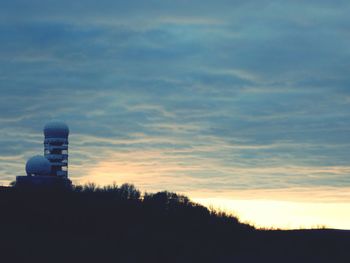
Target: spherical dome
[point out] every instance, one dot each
(56, 129)
(38, 165)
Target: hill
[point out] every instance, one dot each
(114, 224)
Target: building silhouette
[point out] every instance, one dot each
(50, 170)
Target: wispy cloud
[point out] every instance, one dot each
(187, 96)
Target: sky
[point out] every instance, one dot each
(242, 105)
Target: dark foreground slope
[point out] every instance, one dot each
(115, 225)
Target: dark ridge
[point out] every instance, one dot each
(116, 224)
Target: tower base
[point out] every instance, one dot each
(43, 182)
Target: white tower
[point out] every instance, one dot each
(56, 147)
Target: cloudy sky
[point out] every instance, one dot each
(236, 103)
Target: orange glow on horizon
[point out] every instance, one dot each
(286, 208)
(284, 214)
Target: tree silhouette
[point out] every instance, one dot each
(114, 224)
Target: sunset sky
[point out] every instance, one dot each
(243, 105)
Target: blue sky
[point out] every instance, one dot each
(211, 96)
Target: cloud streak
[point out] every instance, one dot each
(192, 96)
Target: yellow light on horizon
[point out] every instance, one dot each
(287, 208)
(284, 214)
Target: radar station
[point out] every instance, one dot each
(50, 170)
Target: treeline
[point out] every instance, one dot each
(112, 223)
(119, 224)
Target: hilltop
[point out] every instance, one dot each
(114, 224)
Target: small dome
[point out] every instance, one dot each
(38, 165)
(56, 129)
